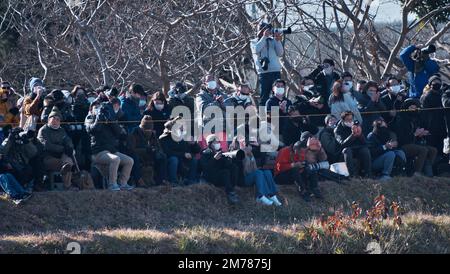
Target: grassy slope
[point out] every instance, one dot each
(197, 219)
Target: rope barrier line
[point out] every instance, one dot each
(231, 118)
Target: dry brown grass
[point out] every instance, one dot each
(197, 219)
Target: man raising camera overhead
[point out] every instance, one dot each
(266, 50)
(420, 67)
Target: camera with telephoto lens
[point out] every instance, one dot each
(264, 62)
(238, 154)
(418, 54)
(282, 31)
(21, 137)
(106, 112)
(317, 166)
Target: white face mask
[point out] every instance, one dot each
(308, 88)
(348, 124)
(347, 86)
(328, 71)
(396, 89)
(279, 91)
(159, 106)
(91, 99)
(216, 146)
(142, 103)
(211, 85)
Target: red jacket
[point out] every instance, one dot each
(285, 158)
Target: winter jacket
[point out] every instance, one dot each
(292, 132)
(417, 80)
(323, 83)
(267, 47)
(377, 107)
(131, 112)
(348, 104)
(104, 136)
(286, 157)
(211, 167)
(377, 140)
(204, 100)
(345, 138)
(405, 125)
(55, 142)
(434, 120)
(159, 118)
(329, 143)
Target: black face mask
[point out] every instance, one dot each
(436, 87)
(5, 100)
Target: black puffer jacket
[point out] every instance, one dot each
(345, 138)
(104, 136)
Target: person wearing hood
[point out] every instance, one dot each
(434, 119)
(219, 169)
(32, 105)
(324, 77)
(130, 105)
(143, 143)
(411, 134)
(180, 154)
(384, 149)
(106, 133)
(348, 133)
(57, 148)
(159, 110)
(392, 99)
(328, 141)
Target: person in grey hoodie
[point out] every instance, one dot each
(267, 47)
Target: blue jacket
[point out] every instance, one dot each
(131, 112)
(417, 80)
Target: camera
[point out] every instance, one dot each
(264, 61)
(428, 50)
(317, 166)
(21, 137)
(419, 54)
(282, 31)
(238, 154)
(106, 112)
